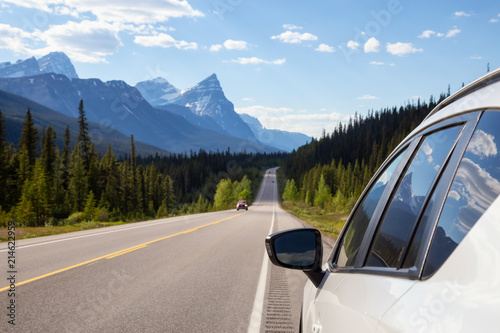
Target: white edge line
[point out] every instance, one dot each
(258, 304)
(168, 220)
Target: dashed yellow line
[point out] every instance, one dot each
(121, 252)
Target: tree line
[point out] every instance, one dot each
(331, 173)
(43, 184)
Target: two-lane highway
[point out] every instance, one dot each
(198, 273)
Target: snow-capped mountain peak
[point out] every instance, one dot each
(55, 62)
(59, 63)
(158, 91)
(211, 83)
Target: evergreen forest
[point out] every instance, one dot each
(328, 175)
(46, 185)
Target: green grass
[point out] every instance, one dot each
(327, 222)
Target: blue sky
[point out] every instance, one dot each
(296, 65)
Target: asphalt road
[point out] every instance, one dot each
(198, 273)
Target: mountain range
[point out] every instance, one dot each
(155, 112)
(206, 106)
(14, 111)
(55, 62)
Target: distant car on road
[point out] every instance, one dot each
(420, 252)
(242, 204)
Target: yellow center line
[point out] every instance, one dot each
(111, 256)
(124, 251)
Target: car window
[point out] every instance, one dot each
(351, 241)
(475, 186)
(394, 232)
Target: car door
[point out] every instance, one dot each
(459, 288)
(365, 274)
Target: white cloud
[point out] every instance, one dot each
(291, 27)
(123, 11)
(372, 45)
(367, 97)
(86, 41)
(353, 45)
(216, 48)
(453, 33)
(401, 49)
(14, 39)
(483, 145)
(494, 20)
(376, 63)
(476, 57)
(229, 45)
(91, 40)
(462, 14)
(165, 41)
(293, 37)
(258, 61)
(427, 34)
(235, 45)
(302, 121)
(325, 48)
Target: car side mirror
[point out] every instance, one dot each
(300, 249)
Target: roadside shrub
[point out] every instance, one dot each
(102, 214)
(75, 218)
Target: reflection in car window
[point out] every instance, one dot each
(393, 236)
(475, 186)
(349, 248)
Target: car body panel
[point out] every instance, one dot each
(449, 302)
(352, 302)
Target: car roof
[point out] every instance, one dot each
(483, 93)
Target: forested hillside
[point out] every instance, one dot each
(330, 173)
(42, 185)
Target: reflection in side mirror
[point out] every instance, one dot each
(297, 249)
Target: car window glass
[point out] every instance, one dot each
(475, 186)
(401, 217)
(351, 242)
(411, 257)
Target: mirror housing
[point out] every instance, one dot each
(300, 249)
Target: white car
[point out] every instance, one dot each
(420, 252)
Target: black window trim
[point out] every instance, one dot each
(420, 140)
(443, 191)
(469, 122)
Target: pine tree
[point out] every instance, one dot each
(29, 139)
(49, 154)
(134, 195)
(65, 158)
(84, 141)
(33, 208)
(322, 195)
(89, 211)
(109, 172)
(3, 162)
(3, 138)
(168, 192)
(78, 182)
